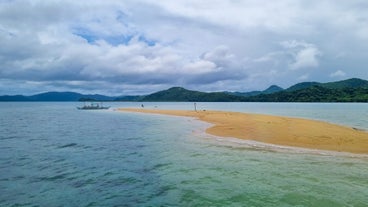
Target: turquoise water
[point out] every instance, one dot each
(54, 155)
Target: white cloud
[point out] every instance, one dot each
(306, 58)
(268, 57)
(217, 65)
(276, 16)
(305, 55)
(203, 44)
(338, 73)
(303, 77)
(199, 67)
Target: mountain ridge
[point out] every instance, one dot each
(57, 96)
(349, 90)
(271, 89)
(182, 94)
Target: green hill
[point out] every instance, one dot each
(302, 85)
(182, 94)
(271, 89)
(58, 96)
(316, 93)
(350, 90)
(343, 91)
(129, 98)
(349, 83)
(14, 98)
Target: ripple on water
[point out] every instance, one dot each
(68, 145)
(111, 159)
(9, 137)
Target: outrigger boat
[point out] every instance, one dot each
(93, 106)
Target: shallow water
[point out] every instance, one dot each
(54, 155)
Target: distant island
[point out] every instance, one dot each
(350, 90)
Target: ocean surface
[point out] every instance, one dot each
(52, 154)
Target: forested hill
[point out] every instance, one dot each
(351, 90)
(315, 93)
(57, 96)
(182, 94)
(349, 83)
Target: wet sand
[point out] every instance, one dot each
(286, 131)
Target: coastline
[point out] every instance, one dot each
(277, 130)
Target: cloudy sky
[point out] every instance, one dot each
(142, 46)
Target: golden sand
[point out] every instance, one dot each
(295, 132)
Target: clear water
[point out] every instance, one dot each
(54, 155)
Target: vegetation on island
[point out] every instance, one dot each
(351, 90)
(182, 94)
(315, 93)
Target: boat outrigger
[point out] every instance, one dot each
(93, 106)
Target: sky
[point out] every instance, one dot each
(134, 47)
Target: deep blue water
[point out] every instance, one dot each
(54, 155)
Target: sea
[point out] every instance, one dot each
(52, 154)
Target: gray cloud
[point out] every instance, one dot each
(142, 46)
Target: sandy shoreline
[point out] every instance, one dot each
(294, 132)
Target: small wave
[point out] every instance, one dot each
(23, 158)
(56, 177)
(161, 165)
(91, 204)
(81, 183)
(8, 137)
(68, 145)
(16, 178)
(61, 176)
(164, 190)
(108, 174)
(37, 139)
(197, 155)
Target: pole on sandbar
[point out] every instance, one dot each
(195, 106)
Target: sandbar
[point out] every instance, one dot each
(278, 130)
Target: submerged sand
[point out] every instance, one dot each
(295, 132)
